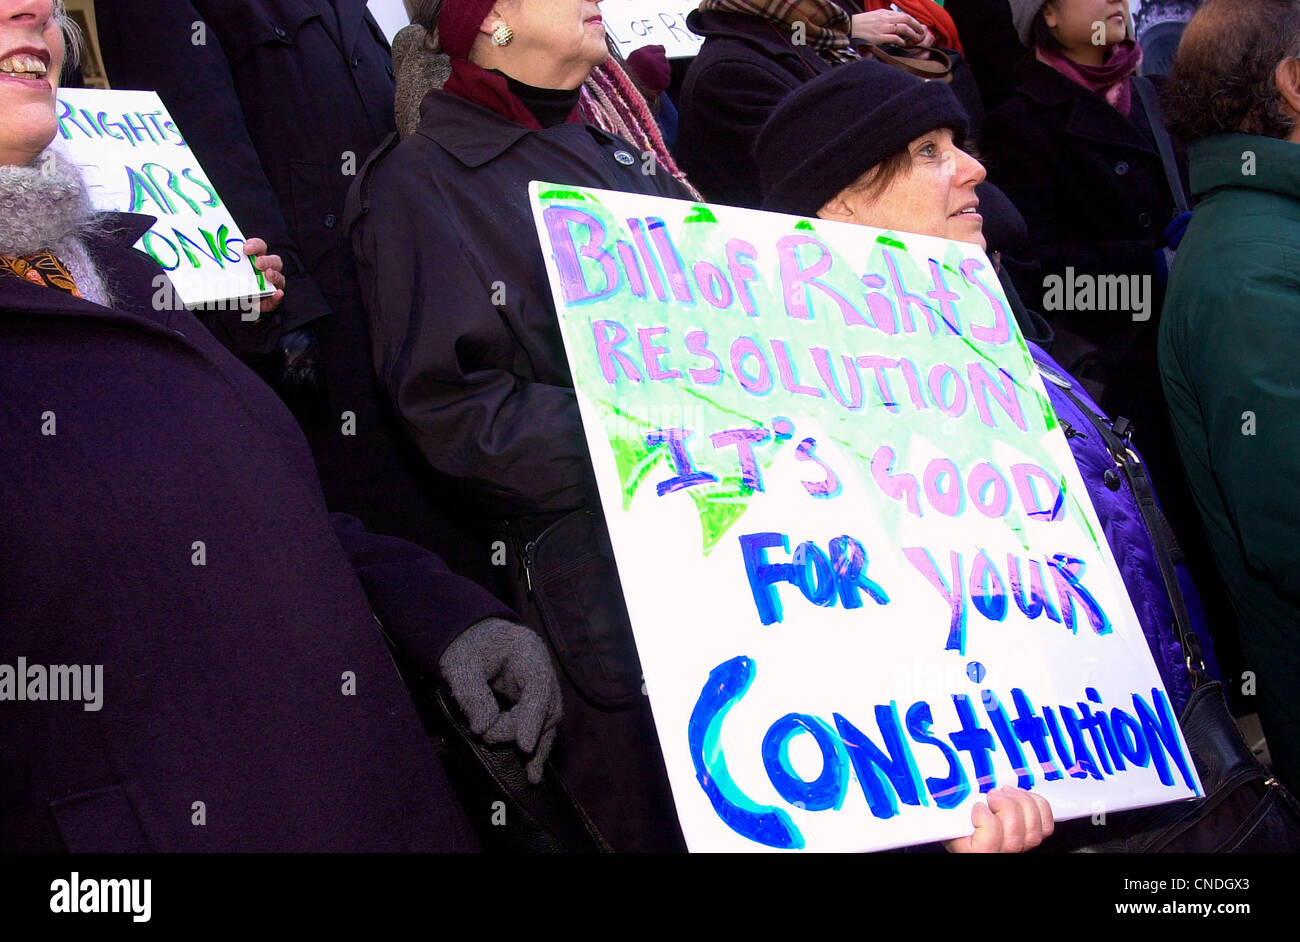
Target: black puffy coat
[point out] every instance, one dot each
(991, 44)
(745, 67)
(282, 103)
(467, 344)
(127, 438)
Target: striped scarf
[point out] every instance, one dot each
(610, 100)
(825, 26)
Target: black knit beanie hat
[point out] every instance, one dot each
(831, 130)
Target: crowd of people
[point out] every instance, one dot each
(180, 499)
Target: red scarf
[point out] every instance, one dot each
(492, 91)
(1110, 80)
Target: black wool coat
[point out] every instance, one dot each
(1093, 190)
(467, 344)
(247, 673)
(745, 67)
(1089, 182)
(282, 104)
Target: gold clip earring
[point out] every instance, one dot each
(502, 34)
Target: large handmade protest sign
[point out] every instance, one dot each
(134, 159)
(866, 582)
(632, 24)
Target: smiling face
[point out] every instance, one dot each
(556, 45)
(31, 56)
(1072, 23)
(934, 194)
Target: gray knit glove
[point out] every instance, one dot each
(495, 654)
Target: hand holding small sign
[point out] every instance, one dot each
(271, 268)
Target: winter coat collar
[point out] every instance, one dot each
(499, 93)
(1220, 161)
(1090, 116)
(134, 284)
(475, 135)
(762, 35)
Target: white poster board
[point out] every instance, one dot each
(864, 575)
(632, 24)
(134, 159)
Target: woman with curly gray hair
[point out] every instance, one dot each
(164, 533)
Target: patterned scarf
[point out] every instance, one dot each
(1110, 80)
(45, 213)
(44, 269)
(826, 26)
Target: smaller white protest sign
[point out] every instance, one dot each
(632, 24)
(135, 160)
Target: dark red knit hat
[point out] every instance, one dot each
(458, 24)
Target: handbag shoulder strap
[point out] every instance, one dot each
(1116, 438)
(1146, 94)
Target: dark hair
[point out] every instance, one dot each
(1040, 34)
(1223, 79)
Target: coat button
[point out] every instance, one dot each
(1121, 168)
(280, 32)
(1144, 220)
(624, 158)
(1111, 477)
(331, 221)
(356, 61)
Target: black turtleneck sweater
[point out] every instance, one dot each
(550, 106)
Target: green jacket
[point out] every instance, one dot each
(1230, 363)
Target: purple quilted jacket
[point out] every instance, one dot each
(1126, 532)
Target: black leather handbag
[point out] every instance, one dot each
(1245, 808)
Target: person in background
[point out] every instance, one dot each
(1229, 355)
(612, 98)
(467, 344)
(649, 65)
(990, 44)
(281, 102)
(164, 526)
(750, 60)
(1075, 152)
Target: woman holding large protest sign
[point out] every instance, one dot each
(883, 149)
